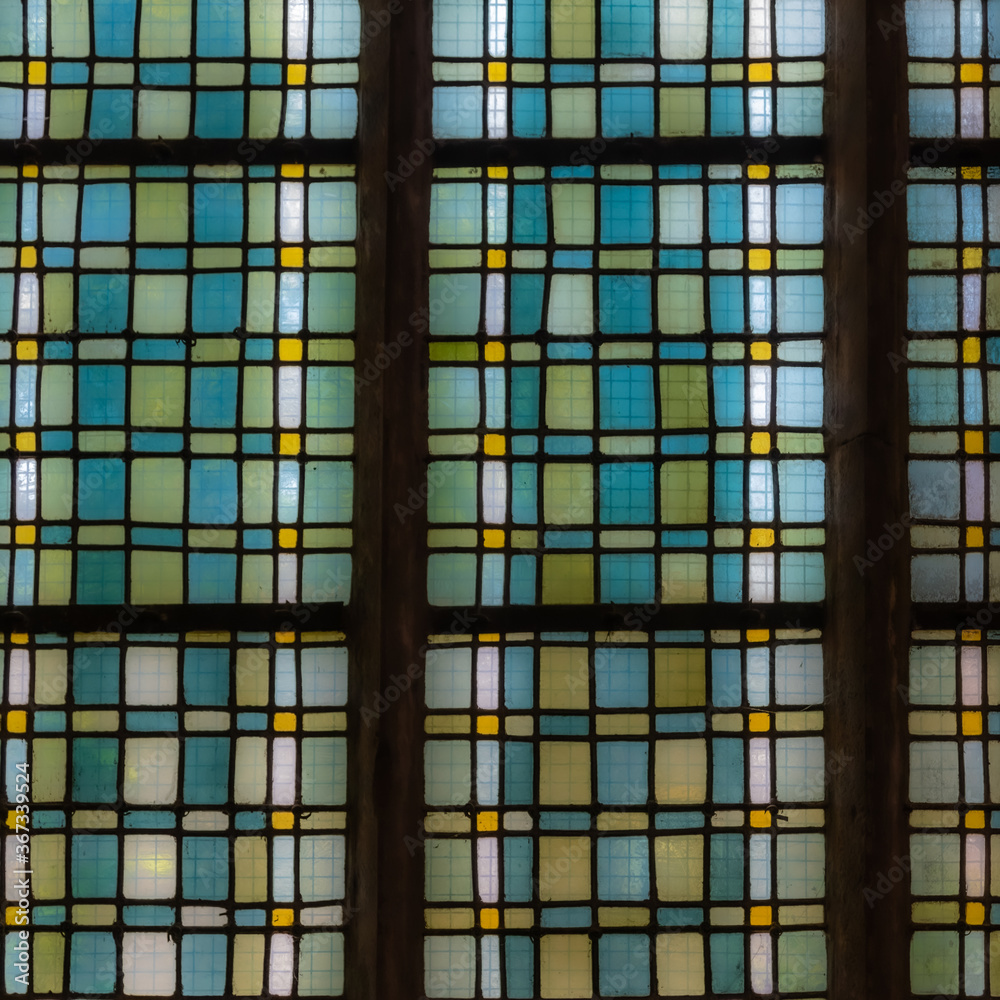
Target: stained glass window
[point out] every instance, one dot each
(186, 833)
(639, 413)
(172, 69)
(177, 495)
(630, 814)
(584, 69)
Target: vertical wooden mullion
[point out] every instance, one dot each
(885, 635)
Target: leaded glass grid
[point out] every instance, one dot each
(639, 416)
(953, 691)
(97, 70)
(624, 814)
(585, 69)
(187, 812)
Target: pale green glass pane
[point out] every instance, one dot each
(680, 863)
(568, 493)
(447, 870)
(447, 772)
(934, 962)
(681, 771)
(569, 401)
(684, 492)
(564, 773)
(165, 29)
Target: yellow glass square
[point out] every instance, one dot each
(495, 444)
(972, 73)
(24, 534)
(760, 442)
(290, 349)
(760, 818)
(25, 441)
(19, 638)
(759, 73)
(284, 722)
(972, 173)
(292, 257)
(496, 72)
(29, 257)
(975, 913)
(758, 634)
(12, 912)
(489, 636)
(760, 350)
(974, 537)
(27, 350)
(296, 74)
(36, 72)
(293, 170)
(284, 637)
(11, 819)
(760, 916)
(972, 257)
(489, 918)
(972, 723)
(760, 722)
(974, 442)
(282, 918)
(758, 171)
(17, 721)
(488, 725)
(494, 351)
(971, 350)
(283, 820)
(975, 819)
(288, 538)
(487, 821)
(290, 444)
(496, 258)
(493, 538)
(497, 173)
(759, 260)
(761, 538)
(31, 170)
(971, 635)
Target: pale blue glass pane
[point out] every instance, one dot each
(333, 112)
(336, 29)
(622, 772)
(626, 111)
(930, 28)
(626, 214)
(800, 397)
(932, 213)
(800, 27)
(799, 213)
(798, 675)
(800, 303)
(932, 113)
(801, 489)
(458, 29)
(626, 490)
(970, 29)
(12, 30)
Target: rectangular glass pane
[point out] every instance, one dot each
(625, 815)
